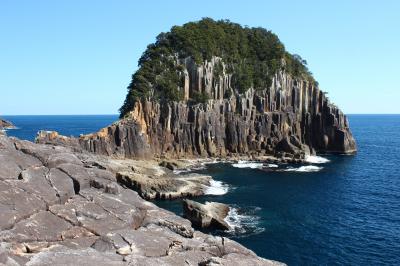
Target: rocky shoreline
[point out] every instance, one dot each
(4, 125)
(66, 207)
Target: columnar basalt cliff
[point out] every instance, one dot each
(267, 104)
(292, 116)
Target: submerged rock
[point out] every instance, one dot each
(209, 215)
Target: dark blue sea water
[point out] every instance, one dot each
(345, 211)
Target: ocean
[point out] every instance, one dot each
(336, 209)
(68, 125)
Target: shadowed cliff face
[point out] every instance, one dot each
(291, 118)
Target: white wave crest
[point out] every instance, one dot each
(271, 165)
(216, 188)
(215, 161)
(316, 159)
(247, 164)
(8, 129)
(190, 169)
(305, 168)
(242, 223)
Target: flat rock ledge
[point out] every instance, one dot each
(209, 215)
(165, 186)
(62, 207)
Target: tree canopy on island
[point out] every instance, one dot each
(253, 56)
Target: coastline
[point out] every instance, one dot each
(78, 210)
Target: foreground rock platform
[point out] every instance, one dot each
(62, 207)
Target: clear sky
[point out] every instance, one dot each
(77, 57)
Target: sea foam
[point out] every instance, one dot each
(190, 169)
(216, 188)
(316, 159)
(305, 168)
(243, 223)
(247, 164)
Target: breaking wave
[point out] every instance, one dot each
(305, 168)
(216, 188)
(247, 164)
(190, 169)
(197, 166)
(244, 222)
(316, 159)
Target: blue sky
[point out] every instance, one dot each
(77, 57)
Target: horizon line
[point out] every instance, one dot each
(4, 115)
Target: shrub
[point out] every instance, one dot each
(251, 55)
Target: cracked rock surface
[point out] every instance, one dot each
(63, 207)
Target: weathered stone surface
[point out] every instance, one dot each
(71, 257)
(237, 260)
(62, 158)
(185, 258)
(165, 187)
(42, 226)
(62, 183)
(35, 180)
(13, 161)
(169, 220)
(16, 204)
(208, 215)
(60, 206)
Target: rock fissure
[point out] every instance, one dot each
(74, 181)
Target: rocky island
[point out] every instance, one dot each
(207, 89)
(4, 124)
(216, 89)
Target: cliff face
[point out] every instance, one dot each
(292, 117)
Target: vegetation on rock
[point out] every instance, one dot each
(252, 56)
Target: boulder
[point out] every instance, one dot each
(169, 165)
(208, 215)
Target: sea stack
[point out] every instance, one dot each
(237, 92)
